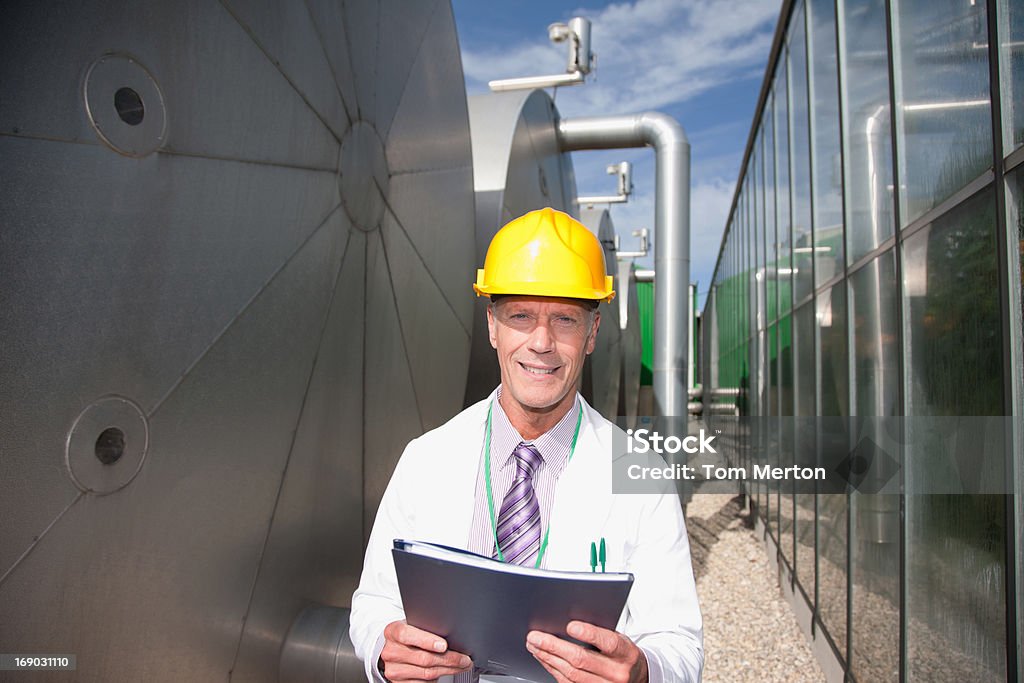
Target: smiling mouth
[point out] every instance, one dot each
(537, 371)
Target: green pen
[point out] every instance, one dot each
(603, 556)
(593, 556)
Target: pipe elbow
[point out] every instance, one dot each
(661, 129)
(652, 128)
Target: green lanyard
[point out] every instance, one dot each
(490, 496)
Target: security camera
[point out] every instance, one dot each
(559, 32)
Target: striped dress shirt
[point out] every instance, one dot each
(554, 447)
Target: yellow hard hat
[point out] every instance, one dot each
(545, 253)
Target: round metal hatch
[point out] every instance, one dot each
(107, 445)
(124, 105)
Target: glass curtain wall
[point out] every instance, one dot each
(872, 269)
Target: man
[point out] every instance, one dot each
(525, 476)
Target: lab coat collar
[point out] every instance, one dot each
(554, 445)
(583, 497)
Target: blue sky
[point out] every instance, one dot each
(702, 61)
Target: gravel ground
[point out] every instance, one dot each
(750, 633)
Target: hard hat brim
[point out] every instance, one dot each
(545, 289)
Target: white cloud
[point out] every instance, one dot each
(650, 54)
(709, 208)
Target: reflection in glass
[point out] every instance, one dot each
(773, 370)
(757, 230)
(749, 269)
(783, 220)
(867, 150)
(760, 284)
(832, 548)
(875, 543)
(726, 311)
(744, 278)
(805, 345)
(803, 322)
(952, 284)
(742, 318)
(803, 239)
(833, 389)
(772, 490)
(942, 95)
(1015, 192)
(786, 396)
(1011, 62)
(786, 392)
(873, 292)
(828, 175)
(955, 559)
(770, 238)
(830, 315)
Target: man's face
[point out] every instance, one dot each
(541, 344)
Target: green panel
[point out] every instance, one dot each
(729, 313)
(645, 299)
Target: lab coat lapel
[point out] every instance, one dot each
(453, 514)
(582, 502)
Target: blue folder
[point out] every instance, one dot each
(484, 608)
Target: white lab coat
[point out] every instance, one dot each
(431, 498)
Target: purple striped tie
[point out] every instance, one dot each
(518, 528)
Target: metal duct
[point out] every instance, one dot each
(235, 257)
(318, 649)
(604, 365)
(672, 234)
(517, 167)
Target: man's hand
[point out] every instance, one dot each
(618, 659)
(412, 654)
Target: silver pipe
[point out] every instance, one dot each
(644, 275)
(534, 82)
(672, 227)
(603, 199)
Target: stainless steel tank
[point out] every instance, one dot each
(236, 241)
(604, 365)
(517, 167)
